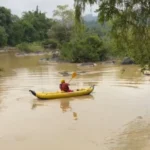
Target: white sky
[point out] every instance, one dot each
(19, 6)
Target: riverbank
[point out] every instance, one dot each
(54, 55)
(7, 49)
(19, 53)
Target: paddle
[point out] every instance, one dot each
(73, 76)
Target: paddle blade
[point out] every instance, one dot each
(74, 75)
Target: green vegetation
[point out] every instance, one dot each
(31, 27)
(3, 37)
(50, 43)
(30, 47)
(130, 30)
(121, 29)
(85, 49)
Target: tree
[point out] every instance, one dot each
(35, 25)
(58, 31)
(3, 36)
(5, 22)
(5, 18)
(131, 24)
(64, 23)
(80, 7)
(64, 14)
(16, 32)
(88, 48)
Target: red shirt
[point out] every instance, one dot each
(64, 87)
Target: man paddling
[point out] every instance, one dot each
(64, 86)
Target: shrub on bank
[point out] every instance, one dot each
(89, 49)
(50, 43)
(30, 47)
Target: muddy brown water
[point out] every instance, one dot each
(114, 117)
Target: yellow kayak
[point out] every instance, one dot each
(55, 95)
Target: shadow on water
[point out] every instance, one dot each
(64, 104)
(135, 136)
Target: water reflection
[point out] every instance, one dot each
(65, 105)
(36, 104)
(75, 116)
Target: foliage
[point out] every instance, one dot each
(35, 25)
(62, 28)
(5, 22)
(78, 39)
(50, 43)
(32, 26)
(77, 44)
(84, 50)
(100, 29)
(131, 24)
(64, 14)
(30, 47)
(80, 7)
(16, 33)
(59, 32)
(3, 36)
(5, 17)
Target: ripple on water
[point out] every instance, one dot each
(103, 120)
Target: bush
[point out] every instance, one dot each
(3, 37)
(23, 47)
(89, 49)
(30, 47)
(50, 43)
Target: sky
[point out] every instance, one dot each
(47, 6)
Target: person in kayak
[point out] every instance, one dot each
(64, 86)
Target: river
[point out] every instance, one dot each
(116, 116)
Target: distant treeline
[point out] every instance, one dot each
(79, 41)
